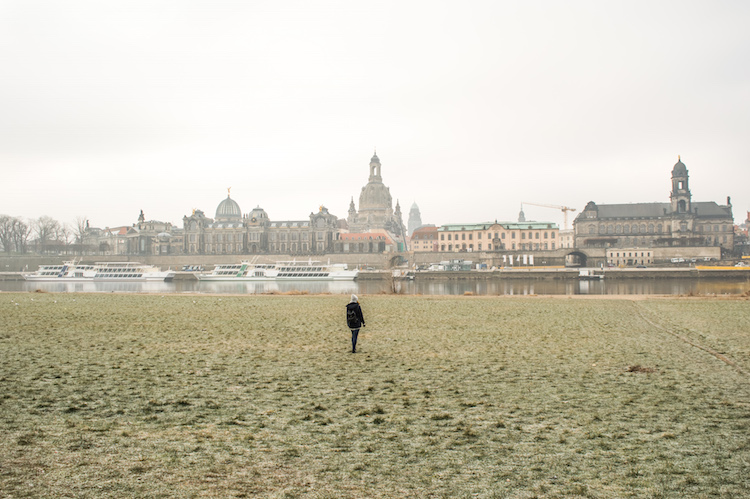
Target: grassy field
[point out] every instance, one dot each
(247, 396)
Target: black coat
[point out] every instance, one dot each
(354, 317)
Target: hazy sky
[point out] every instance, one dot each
(107, 108)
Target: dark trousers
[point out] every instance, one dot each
(355, 333)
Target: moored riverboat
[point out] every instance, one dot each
(72, 271)
(280, 271)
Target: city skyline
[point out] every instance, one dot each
(161, 106)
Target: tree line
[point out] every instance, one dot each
(41, 235)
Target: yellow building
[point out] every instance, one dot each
(425, 239)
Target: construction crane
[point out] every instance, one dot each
(564, 209)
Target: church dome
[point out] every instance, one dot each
(679, 168)
(228, 210)
(258, 215)
(375, 196)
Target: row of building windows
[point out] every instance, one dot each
(501, 235)
(626, 229)
(649, 228)
(292, 247)
(292, 236)
(717, 228)
(625, 258)
(631, 254)
(470, 247)
(220, 238)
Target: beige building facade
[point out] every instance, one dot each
(424, 239)
(680, 223)
(499, 236)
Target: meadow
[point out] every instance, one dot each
(106, 395)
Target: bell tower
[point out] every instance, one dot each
(680, 196)
(375, 169)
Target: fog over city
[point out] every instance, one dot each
(109, 108)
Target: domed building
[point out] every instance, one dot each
(228, 210)
(232, 233)
(375, 206)
(225, 234)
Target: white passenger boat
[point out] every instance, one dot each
(102, 271)
(280, 271)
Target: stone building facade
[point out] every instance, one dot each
(145, 238)
(232, 233)
(679, 223)
(365, 242)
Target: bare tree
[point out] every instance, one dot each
(14, 234)
(79, 232)
(21, 233)
(6, 233)
(45, 228)
(63, 234)
(81, 225)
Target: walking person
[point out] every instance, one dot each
(354, 319)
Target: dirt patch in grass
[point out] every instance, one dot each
(258, 396)
(640, 369)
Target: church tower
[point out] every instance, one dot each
(375, 169)
(415, 219)
(375, 205)
(521, 215)
(352, 218)
(680, 196)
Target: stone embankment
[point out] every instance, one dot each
(740, 273)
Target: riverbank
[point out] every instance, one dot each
(116, 395)
(741, 273)
(734, 273)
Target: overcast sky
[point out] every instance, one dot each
(107, 108)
